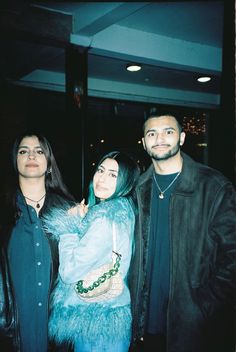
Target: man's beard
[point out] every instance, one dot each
(172, 152)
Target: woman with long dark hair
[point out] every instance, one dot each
(29, 258)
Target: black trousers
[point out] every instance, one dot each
(152, 342)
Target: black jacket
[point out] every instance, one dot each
(201, 313)
(9, 330)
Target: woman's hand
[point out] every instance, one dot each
(80, 209)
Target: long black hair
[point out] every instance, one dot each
(128, 174)
(53, 178)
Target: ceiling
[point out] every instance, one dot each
(175, 42)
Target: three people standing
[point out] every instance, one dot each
(183, 269)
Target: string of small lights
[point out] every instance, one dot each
(195, 125)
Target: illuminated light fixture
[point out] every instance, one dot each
(204, 79)
(133, 67)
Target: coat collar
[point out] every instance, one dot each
(187, 179)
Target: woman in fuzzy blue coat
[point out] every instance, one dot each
(86, 243)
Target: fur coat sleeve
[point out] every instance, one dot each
(94, 248)
(57, 221)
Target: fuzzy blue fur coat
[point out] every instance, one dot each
(86, 244)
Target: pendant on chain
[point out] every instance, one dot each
(161, 194)
(36, 201)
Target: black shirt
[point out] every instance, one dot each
(159, 255)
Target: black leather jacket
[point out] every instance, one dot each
(9, 330)
(201, 314)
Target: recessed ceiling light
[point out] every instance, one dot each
(204, 79)
(133, 67)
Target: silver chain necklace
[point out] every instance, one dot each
(161, 194)
(36, 201)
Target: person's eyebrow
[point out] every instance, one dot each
(164, 129)
(107, 169)
(150, 130)
(113, 170)
(27, 147)
(169, 128)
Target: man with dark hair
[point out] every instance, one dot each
(28, 256)
(183, 272)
